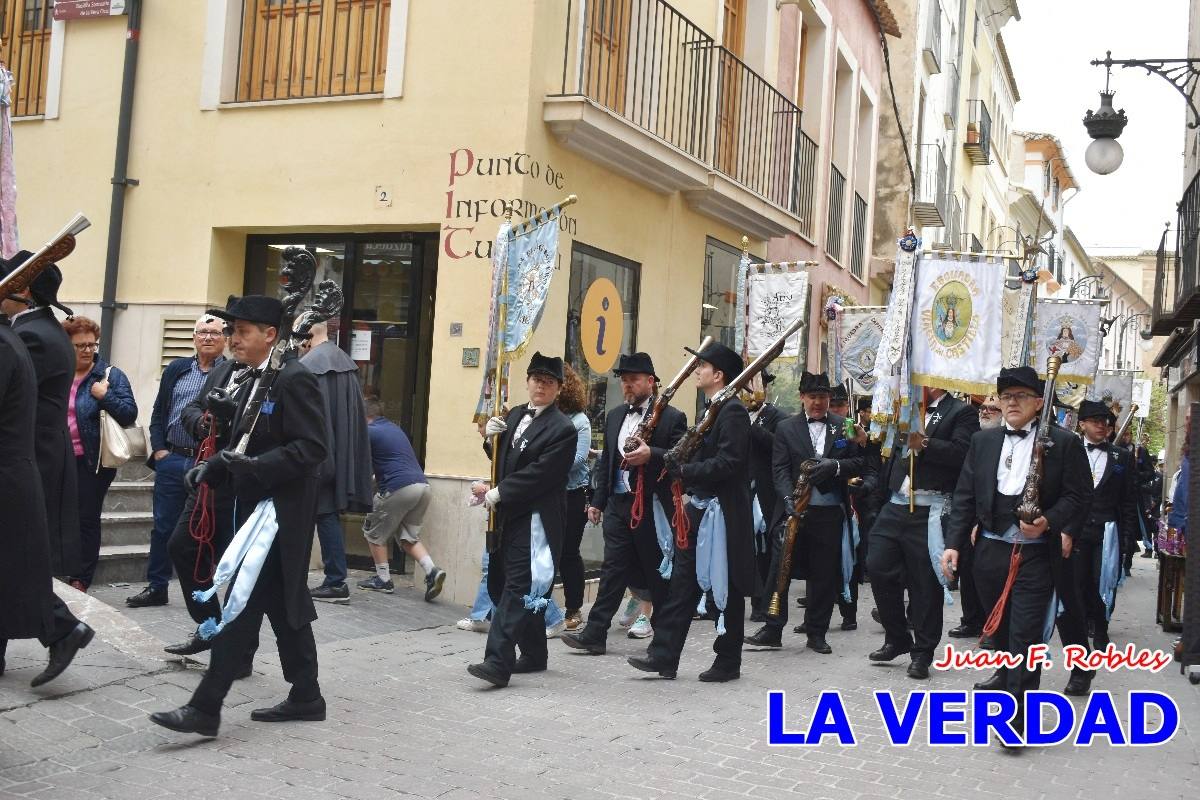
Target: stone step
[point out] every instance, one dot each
(135, 471)
(129, 496)
(119, 528)
(122, 564)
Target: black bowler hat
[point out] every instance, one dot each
(545, 365)
(819, 382)
(1091, 409)
(1024, 377)
(635, 362)
(863, 403)
(251, 308)
(838, 394)
(722, 358)
(43, 288)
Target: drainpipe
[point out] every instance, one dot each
(120, 181)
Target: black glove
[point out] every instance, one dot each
(238, 463)
(195, 476)
(222, 405)
(857, 489)
(826, 468)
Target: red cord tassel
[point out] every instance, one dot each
(638, 508)
(994, 619)
(202, 523)
(680, 519)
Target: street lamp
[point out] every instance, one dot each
(1145, 333)
(1092, 293)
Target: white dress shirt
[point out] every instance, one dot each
(526, 420)
(629, 427)
(816, 432)
(1017, 451)
(1097, 460)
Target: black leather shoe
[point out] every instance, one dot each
(918, 669)
(649, 665)
(1079, 685)
(147, 597)
(485, 672)
(818, 644)
(986, 643)
(765, 636)
(581, 641)
(63, 652)
(995, 683)
(802, 602)
(187, 719)
(715, 674)
(526, 664)
(193, 645)
(889, 652)
(291, 711)
(964, 632)
(849, 625)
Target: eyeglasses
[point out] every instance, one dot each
(208, 334)
(989, 410)
(1017, 397)
(87, 346)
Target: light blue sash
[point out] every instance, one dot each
(1051, 616)
(541, 566)
(1111, 574)
(712, 559)
(666, 542)
(245, 557)
(849, 548)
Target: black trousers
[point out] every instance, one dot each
(1025, 615)
(63, 623)
(184, 550)
(973, 614)
(631, 558)
(570, 563)
(93, 486)
(238, 641)
(1085, 569)
(513, 625)
(673, 618)
(821, 538)
(899, 560)
(1072, 622)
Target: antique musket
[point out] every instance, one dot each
(801, 495)
(58, 248)
(1030, 507)
(649, 423)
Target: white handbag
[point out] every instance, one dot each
(120, 445)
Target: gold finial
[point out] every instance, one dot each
(745, 244)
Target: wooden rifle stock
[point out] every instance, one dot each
(648, 425)
(1030, 507)
(801, 495)
(58, 248)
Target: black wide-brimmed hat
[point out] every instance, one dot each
(1091, 409)
(1024, 377)
(251, 308)
(546, 365)
(44, 288)
(635, 362)
(839, 394)
(819, 382)
(722, 358)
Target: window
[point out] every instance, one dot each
(311, 48)
(1057, 187)
(25, 50)
(1046, 178)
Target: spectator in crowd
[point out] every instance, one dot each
(173, 450)
(572, 401)
(399, 508)
(1152, 496)
(346, 473)
(97, 387)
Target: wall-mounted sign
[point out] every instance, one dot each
(601, 325)
(82, 9)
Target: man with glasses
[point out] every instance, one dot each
(174, 449)
(988, 492)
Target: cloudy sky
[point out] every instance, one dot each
(1050, 48)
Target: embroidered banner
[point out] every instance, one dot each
(956, 325)
(1114, 388)
(531, 260)
(861, 329)
(484, 407)
(776, 296)
(1070, 329)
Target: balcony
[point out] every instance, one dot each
(951, 235)
(649, 95)
(837, 211)
(931, 51)
(973, 243)
(950, 108)
(929, 206)
(1177, 279)
(858, 239)
(979, 133)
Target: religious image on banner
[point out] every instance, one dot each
(861, 331)
(532, 255)
(776, 296)
(1069, 329)
(956, 325)
(1069, 393)
(1114, 388)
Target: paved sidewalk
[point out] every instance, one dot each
(406, 720)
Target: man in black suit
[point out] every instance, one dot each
(900, 541)
(989, 490)
(536, 449)
(814, 433)
(703, 573)
(626, 481)
(49, 349)
(764, 419)
(281, 465)
(1111, 522)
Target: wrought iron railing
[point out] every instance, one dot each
(25, 49)
(650, 65)
(979, 132)
(973, 243)
(292, 49)
(1164, 287)
(1187, 247)
(858, 238)
(804, 187)
(833, 231)
(950, 110)
(933, 38)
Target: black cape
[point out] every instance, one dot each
(346, 472)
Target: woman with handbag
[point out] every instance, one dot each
(98, 389)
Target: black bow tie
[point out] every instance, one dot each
(631, 409)
(811, 420)
(1021, 434)
(1092, 447)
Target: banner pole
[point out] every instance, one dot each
(492, 542)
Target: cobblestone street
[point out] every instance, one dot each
(406, 720)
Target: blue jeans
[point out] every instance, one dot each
(170, 493)
(482, 607)
(333, 548)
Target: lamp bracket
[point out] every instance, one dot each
(1182, 73)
